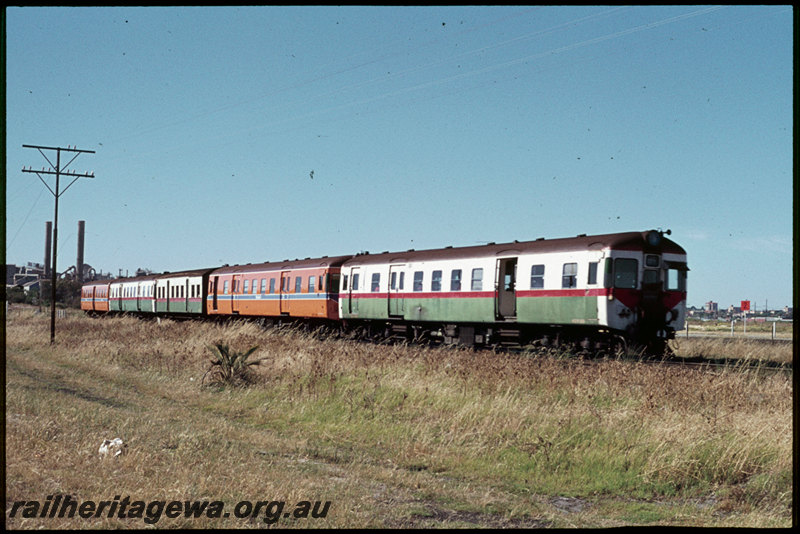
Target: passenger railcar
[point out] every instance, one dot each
(94, 296)
(133, 295)
(181, 293)
(306, 289)
(589, 289)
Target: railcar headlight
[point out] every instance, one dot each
(654, 238)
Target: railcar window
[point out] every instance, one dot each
(418, 281)
(537, 276)
(402, 281)
(569, 276)
(650, 276)
(225, 287)
(455, 280)
(477, 279)
(626, 273)
(593, 273)
(298, 284)
(393, 281)
(247, 286)
(263, 288)
(376, 282)
(676, 280)
(344, 283)
(333, 283)
(436, 281)
(311, 283)
(355, 281)
(272, 285)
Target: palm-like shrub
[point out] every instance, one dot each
(230, 367)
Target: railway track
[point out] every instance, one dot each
(731, 339)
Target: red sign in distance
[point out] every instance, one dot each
(745, 305)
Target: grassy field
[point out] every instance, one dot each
(390, 436)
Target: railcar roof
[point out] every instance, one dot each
(128, 280)
(153, 276)
(325, 261)
(193, 272)
(99, 282)
(618, 241)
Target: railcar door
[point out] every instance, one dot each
(396, 283)
(284, 292)
(355, 274)
(505, 289)
(214, 285)
(236, 293)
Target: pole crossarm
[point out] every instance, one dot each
(66, 173)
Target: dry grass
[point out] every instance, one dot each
(393, 436)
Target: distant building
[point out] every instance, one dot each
(711, 307)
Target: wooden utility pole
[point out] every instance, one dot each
(58, 170)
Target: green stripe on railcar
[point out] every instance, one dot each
(462, 309)
(129, 305)
(557, 310)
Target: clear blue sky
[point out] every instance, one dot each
(423, 127)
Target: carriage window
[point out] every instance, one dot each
(247, 286)
(455, 280)
(593, 273)
(402, 281)
(263, 285)
(311, 282)
(418, 281)
(436, 281)
(676, 279)
(298, 284)
(537, 276)
(272, 285)
(569, 276)
(344, 283)
(376, 282)
(355, 282)
(225, 287)
(626, 271)
(393, 281)
(333, 282)
(477, 279)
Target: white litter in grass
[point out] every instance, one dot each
(113, 447)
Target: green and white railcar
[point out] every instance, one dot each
(132, 295)
(181, 293)
(629, 284)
